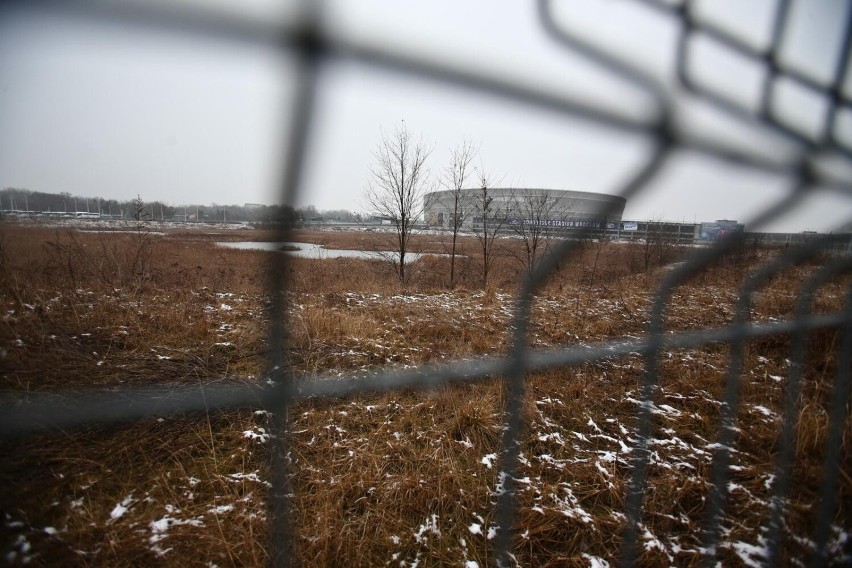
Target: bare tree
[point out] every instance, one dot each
(490, 217)
(455, 178)
(660, 245)
(532, 217)
(398, 183)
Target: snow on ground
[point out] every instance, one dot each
(601, 442)
(130, 225)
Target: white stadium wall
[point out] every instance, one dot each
(564, 209)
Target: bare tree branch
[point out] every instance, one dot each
(530, 217)
(398, 182)
(490, 215)
(455, 178)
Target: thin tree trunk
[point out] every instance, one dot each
(453, 260)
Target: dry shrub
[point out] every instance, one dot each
(473, 414)
(92, 318)
(380, 467)
(117, 490)
(327, 325)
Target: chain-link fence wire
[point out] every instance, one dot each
(312, 47)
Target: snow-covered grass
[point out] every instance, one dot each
(400, 479)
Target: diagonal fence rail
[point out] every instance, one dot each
(312, 46)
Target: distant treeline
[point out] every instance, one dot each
(59, 204)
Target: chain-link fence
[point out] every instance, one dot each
(308, 41)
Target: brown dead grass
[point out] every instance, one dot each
(397, 477)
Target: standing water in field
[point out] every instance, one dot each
(318, 252)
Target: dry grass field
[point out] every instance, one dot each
(402, 478)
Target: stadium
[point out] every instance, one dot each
(552, 208)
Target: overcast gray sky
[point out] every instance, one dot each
(112, 111)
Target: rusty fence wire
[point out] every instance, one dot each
(806, 167)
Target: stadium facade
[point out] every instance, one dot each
(557, 209)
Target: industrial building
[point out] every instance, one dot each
(680, 233)
(558, 209)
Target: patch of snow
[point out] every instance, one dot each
(23, 549)
(159, 528)
(749, 554)
(547, 458)
(652, 542)
(430, 526)
(160, 551)
(570, 506)
(555, 436)
(261, 435)
(488, 460)
(608, 456)
(666, 409)
(596, 562)
(602, 469)
(718, 446)
(763, 410)
(237, 477)
(593, 425)
(219, 509)
(119, 510)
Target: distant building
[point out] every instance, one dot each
(680, 233)
(553, 208)
(717, 230)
